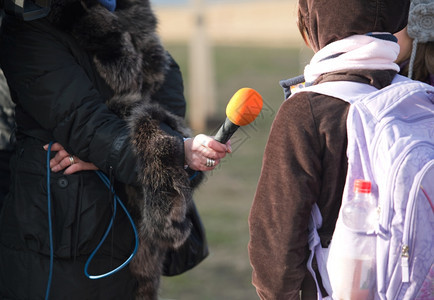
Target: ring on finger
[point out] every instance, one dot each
(71, 160)
(210, 162)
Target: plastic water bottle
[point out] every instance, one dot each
(360, 214)
(353, 267)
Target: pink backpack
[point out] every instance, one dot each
(391, 143)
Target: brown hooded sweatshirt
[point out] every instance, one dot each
(305, 157)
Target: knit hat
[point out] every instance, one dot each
(420, 26)
(109, 4)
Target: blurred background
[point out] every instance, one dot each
(222, 46)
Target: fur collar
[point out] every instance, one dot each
(124, 45)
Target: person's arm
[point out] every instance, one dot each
(197, 151)
(54, 90)
(288, 186)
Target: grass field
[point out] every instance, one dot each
(224, 200)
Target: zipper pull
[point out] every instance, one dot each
(404, 263)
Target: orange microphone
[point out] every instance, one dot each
(243, 108)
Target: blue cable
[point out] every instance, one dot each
(194, 175)
(106, 181)
(50, 228)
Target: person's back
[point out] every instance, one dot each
(305, 157)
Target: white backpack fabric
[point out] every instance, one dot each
(391, 143)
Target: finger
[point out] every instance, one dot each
(59, 157)
(200, 164)
(79, 166)
(211, 153)
(210, 163)
(217, 146)
(199, 141)
(209, 147)
(72, 169)
(54, 147)
(229, 146)
(213, 166)
(64, 163)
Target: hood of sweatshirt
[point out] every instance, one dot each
(327, 21)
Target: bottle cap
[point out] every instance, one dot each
(362, 186)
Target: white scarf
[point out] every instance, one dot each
(359, 52)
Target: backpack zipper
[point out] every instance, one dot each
(410, 219)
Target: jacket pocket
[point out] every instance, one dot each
(80, 206)
(81, 212)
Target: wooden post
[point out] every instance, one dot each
(201, 83)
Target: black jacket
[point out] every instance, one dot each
(63, 82)
(79, 119)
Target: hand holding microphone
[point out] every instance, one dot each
(243, 108)
(203, 152)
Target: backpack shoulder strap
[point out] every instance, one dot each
(321, 254)
(349, 91)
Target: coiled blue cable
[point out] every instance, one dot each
(106, 181)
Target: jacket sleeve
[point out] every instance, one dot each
(55, 91)
(171, 94)
(289, 184)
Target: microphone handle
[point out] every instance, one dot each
(226, 131)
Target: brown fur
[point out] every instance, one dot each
(128, 55)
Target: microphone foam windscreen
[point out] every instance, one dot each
(244, 106)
